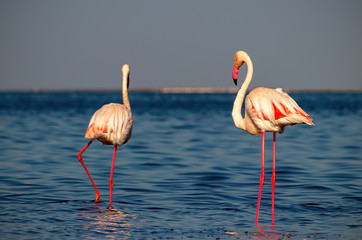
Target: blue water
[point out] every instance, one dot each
(186, 173)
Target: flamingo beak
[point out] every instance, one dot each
(235, 81)
(128, 81)
(235, 74)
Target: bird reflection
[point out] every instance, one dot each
(110, 221)
(263, 233)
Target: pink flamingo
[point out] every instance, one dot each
(111, 125)
(266, 110)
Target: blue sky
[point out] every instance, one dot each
(82, 44)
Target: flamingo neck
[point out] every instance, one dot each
(236, 113)
(125, 90)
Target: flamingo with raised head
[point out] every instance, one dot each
(266, 110)
(111, 125)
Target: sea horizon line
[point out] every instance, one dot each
(180, 90)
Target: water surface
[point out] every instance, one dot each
(187, 172)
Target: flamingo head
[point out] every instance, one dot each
(239, 58)
(125, 71)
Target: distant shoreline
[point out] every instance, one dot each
(181, 90)
(235, 90)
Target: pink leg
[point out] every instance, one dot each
(85, 168)
(111, 177)
(261, 177)
(273, 176)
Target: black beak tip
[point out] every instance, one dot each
(235, 81)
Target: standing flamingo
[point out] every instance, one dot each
(266, 110)
(111, 125)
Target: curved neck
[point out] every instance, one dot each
(125, 90)
(236, 113)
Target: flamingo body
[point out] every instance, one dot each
(111, 125)
(266, 110)
(271, 110)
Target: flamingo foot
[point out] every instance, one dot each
(98, 198)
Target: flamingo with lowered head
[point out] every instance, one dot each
(266, 110)
(111, 125)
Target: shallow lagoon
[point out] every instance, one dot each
(187, 172)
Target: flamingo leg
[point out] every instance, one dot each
(261, 177)
(85, 168)
(111, 177)
(273, 176)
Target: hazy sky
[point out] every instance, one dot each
(82, 44)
